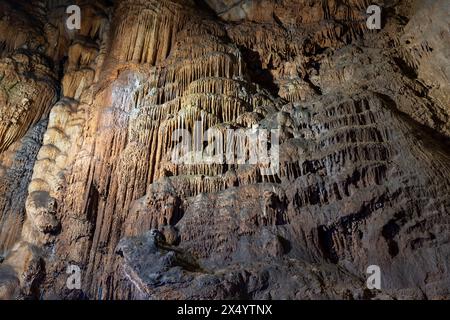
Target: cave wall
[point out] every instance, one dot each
(86, 133)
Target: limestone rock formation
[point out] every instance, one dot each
(89, 121)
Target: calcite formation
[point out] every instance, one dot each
(88, 122)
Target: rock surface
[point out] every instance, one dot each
(87, 129)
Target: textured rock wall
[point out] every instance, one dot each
(87, 132)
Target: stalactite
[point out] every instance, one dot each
(139, 70)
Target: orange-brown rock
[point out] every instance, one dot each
(88, 122)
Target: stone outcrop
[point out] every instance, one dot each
(88, 122)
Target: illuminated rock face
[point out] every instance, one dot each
(87, 129)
